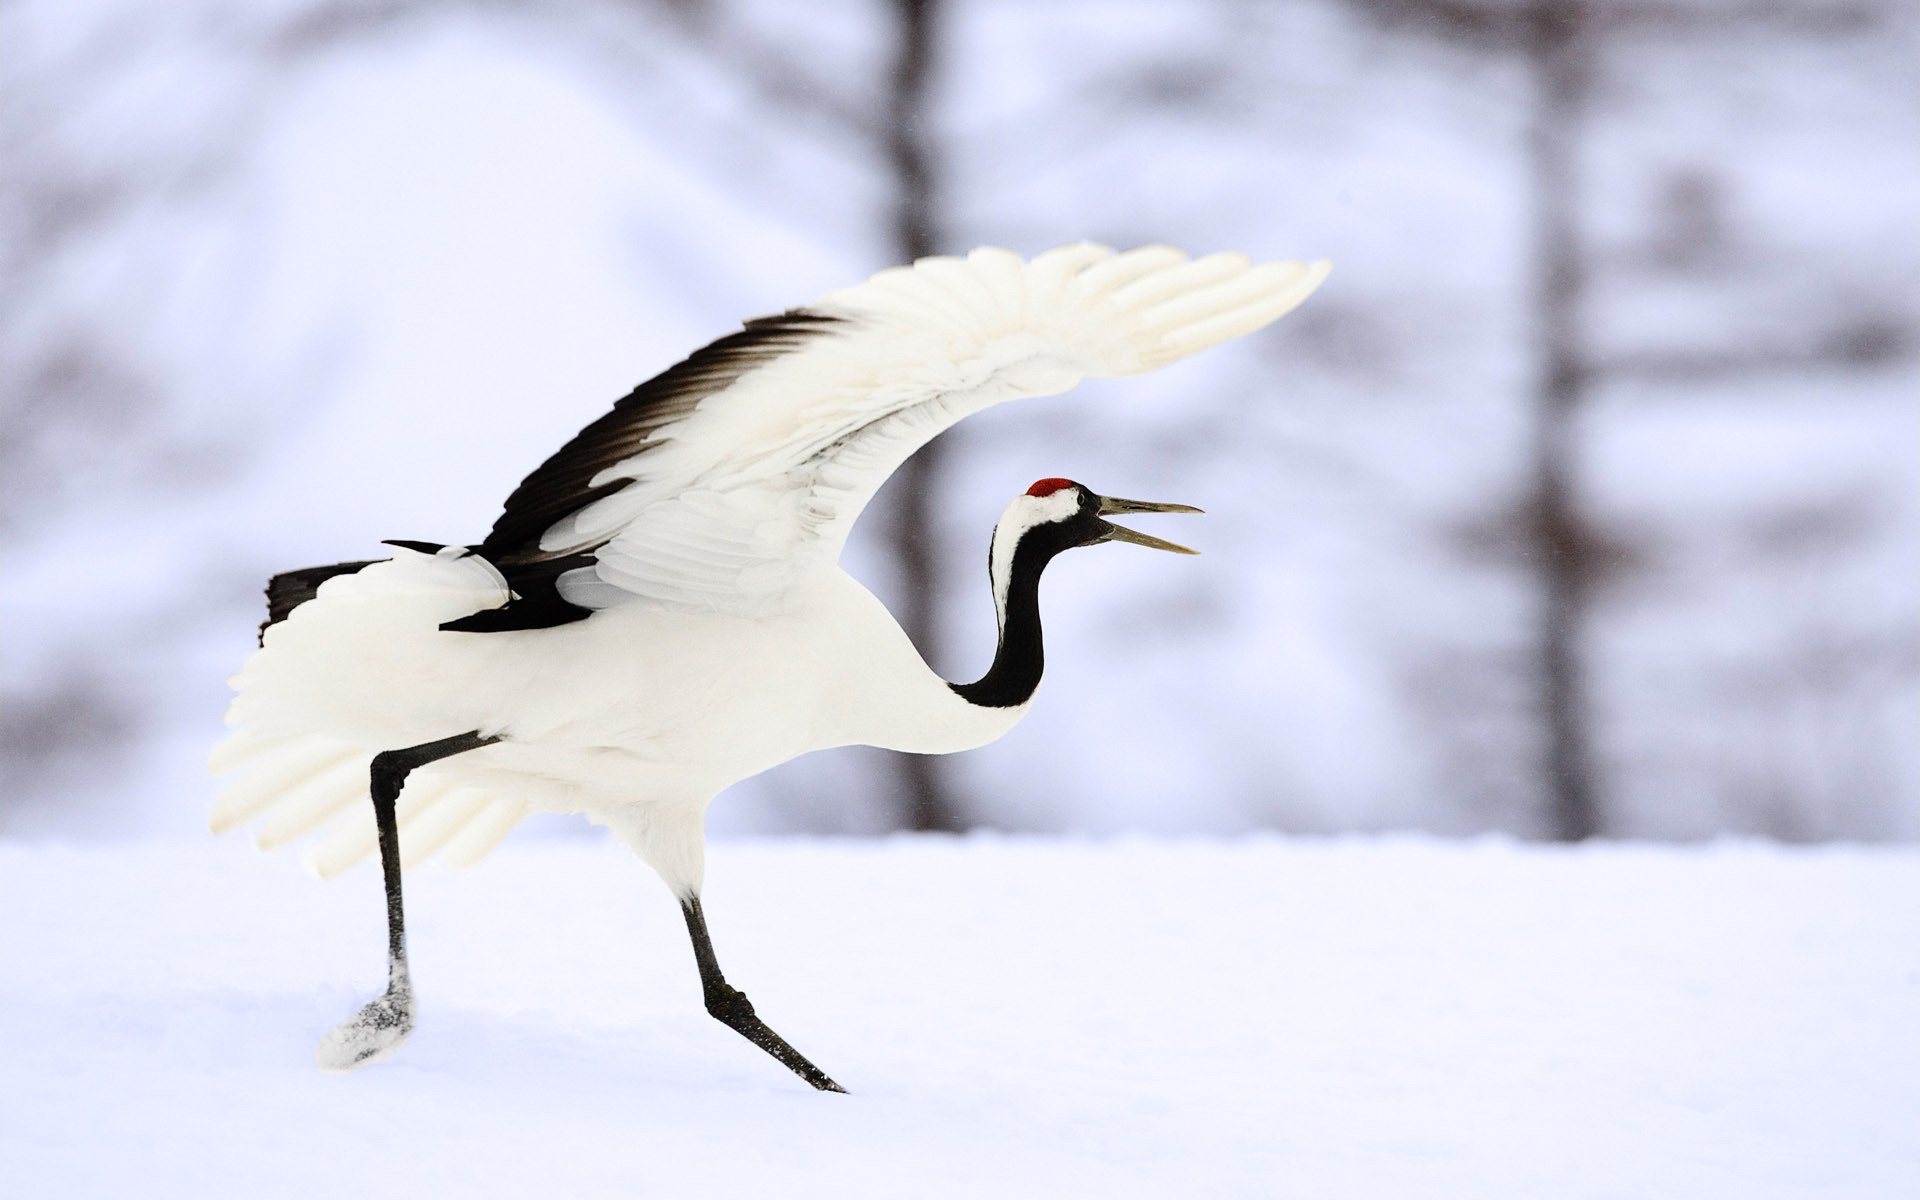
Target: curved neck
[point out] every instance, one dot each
(1019, 658)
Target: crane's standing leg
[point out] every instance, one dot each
(731, 1007)
(378, 1029)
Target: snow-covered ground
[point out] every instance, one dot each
(1393, 1018)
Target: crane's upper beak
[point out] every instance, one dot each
(1113, 506)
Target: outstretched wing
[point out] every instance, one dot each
(732, 476)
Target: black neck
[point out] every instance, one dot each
(1019, 659)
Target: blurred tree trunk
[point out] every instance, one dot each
(1559, 51)
(925, 785)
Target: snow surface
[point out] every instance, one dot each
(1391, 1018)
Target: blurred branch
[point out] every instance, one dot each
(79, 393)
(1868, 341)
(916, 487)
(1559, 52)
(1505, 25)
(79, 720)
(778, 79)
(616, 31)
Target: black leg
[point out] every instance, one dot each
(379, 1028)
(731, 1007)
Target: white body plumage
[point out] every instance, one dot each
(635, 717)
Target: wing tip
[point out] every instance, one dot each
(1279, 287)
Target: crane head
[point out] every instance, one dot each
(1065, 514)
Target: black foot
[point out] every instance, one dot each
(730, 1007)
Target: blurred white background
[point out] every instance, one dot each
(1583, 499)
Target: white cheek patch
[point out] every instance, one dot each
(1023, 514)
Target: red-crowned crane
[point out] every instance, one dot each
(660, 611)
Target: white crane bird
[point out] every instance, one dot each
(659, 612)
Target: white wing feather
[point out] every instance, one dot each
(759, 484)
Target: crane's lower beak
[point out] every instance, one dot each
(1113, 506)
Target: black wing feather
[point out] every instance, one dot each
(562, 485)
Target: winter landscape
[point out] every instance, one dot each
(1011, 1016)
(1518, 797)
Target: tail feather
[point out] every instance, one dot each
(290, 589)
(351, 838)
(485, 830)
(320, 699)
(236, 750)
(436, 825)
(297, 787)
(269, 776)
(303, 808)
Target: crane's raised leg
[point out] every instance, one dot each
(378, 1029)
(731, 1007)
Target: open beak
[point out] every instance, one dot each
(1113, 506)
